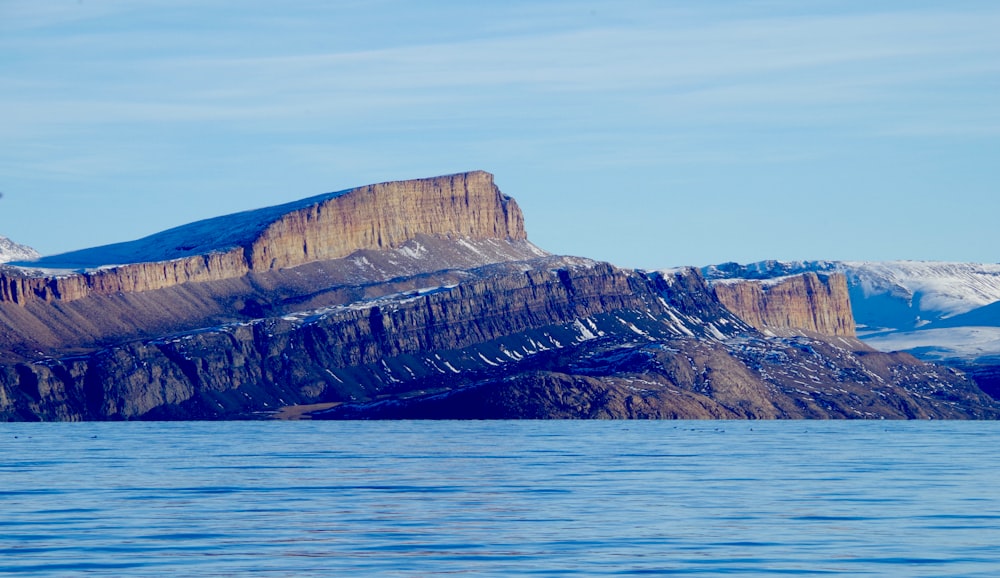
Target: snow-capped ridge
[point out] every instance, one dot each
(942, 289)
(11, 251)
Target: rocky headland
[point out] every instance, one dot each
(425, 299)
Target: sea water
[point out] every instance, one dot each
(500, 498)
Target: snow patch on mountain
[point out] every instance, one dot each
(942, 344)
(11, 251)
(943, 289)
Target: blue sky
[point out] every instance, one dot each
(650, 134)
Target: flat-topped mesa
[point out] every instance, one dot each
(331, 226)
(806, 302)
(387, 215)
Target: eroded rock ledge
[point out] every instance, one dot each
(806, 302)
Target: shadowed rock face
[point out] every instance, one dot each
(430, 303)
(806, 302)
(430, 337)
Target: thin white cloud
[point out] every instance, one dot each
(578, 78)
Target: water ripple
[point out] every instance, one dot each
(499, 499)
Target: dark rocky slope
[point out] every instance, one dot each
(687, 357)
(563, 338)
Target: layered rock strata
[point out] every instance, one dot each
(554, 337)
(62, 327)
(361, 350)
(816, 303)
(332, 226)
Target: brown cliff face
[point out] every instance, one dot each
(806, 302)
(16, 287)
(374, 217)
(387, 215)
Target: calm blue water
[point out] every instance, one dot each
(544, 498)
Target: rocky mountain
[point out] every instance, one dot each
(943, 312)
(424, 299)
(11, 251)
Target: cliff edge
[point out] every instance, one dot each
(330, 226)
(816, 303)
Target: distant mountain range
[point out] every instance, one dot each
(425, 299)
